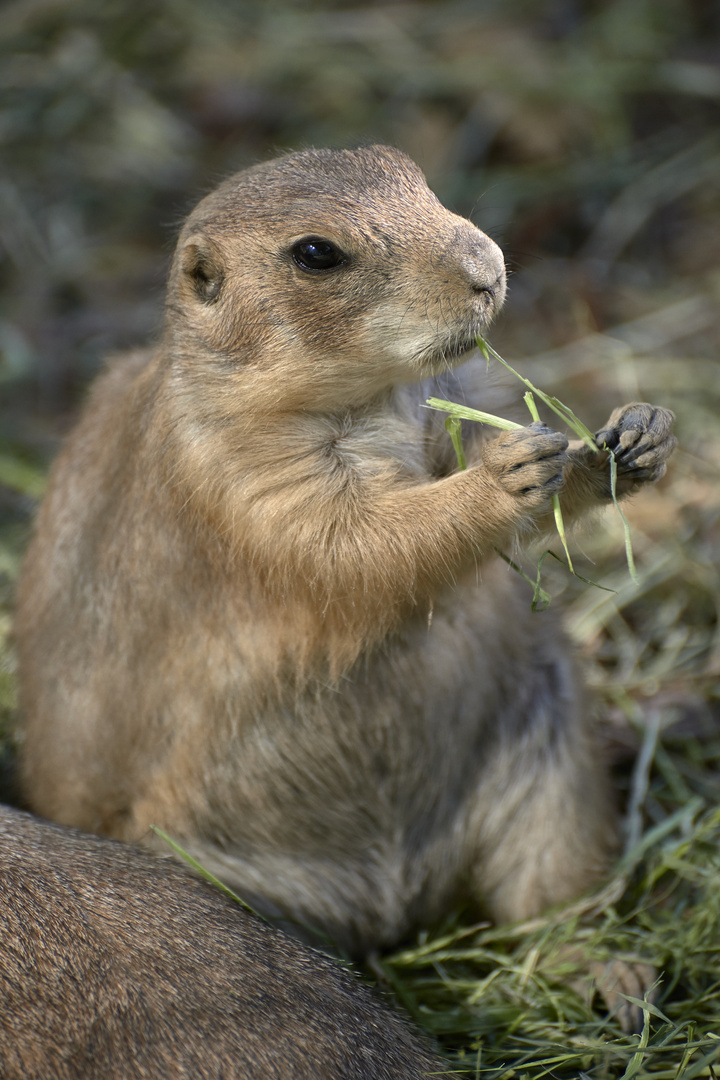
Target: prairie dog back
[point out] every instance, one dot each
(115, 965)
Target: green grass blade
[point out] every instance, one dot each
(626, 525)
(530, 402)
(557, 510)
(585, 580)
(541, 599)
(639, 1056)
(560, 526)
(563, 411)
(462, 412)
(453, 426)
(646, 1006)
(207, 874)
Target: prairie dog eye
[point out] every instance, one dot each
(314, 254)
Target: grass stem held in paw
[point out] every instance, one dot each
(453, 427)
(558, 407)
(581, 430)
(557, 511)
(463, 412)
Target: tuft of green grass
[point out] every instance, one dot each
(499, 1001)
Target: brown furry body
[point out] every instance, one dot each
(224, 618)
(116, 965)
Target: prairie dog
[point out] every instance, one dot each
(117, 965)
(224, 617)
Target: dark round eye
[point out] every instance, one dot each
(314, 253)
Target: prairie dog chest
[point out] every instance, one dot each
(387, 441)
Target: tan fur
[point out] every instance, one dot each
(116, 965)
(262, 608)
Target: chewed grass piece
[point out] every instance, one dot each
(453, 426)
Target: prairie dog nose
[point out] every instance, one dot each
(481, 262)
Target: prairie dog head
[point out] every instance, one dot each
(337, 273)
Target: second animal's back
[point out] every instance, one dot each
(116, 965)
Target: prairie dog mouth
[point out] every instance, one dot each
(416, 345)
(440, 356)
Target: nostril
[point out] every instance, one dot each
(489, 289)
(484, 279)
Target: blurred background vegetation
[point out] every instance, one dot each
(584, 136)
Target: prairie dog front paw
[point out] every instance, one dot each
(528, 462)
(641, 439)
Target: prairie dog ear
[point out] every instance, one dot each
(201, 265)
